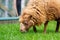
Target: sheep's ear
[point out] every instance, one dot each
(28, 16)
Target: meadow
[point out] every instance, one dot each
(12, 32)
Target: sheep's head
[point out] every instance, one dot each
(25, 22)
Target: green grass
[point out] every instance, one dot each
(11, 32)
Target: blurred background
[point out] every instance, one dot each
(11, 9)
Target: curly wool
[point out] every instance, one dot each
(43, 10)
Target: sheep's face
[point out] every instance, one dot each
(25, 23)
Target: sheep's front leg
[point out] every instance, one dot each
(45, 25)
(34, 28)
(57, 26)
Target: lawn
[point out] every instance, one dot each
(11, 32)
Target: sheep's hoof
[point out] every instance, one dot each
(34, 28)
(44, 31)
(56, 31)
(35, 31)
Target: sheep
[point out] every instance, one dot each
(39, 11)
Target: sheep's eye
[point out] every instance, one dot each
(25, 24)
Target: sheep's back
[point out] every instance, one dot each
(43, 10)
(53, 9)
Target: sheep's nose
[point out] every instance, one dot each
(23, 30)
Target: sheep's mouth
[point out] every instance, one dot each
(23, 28)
